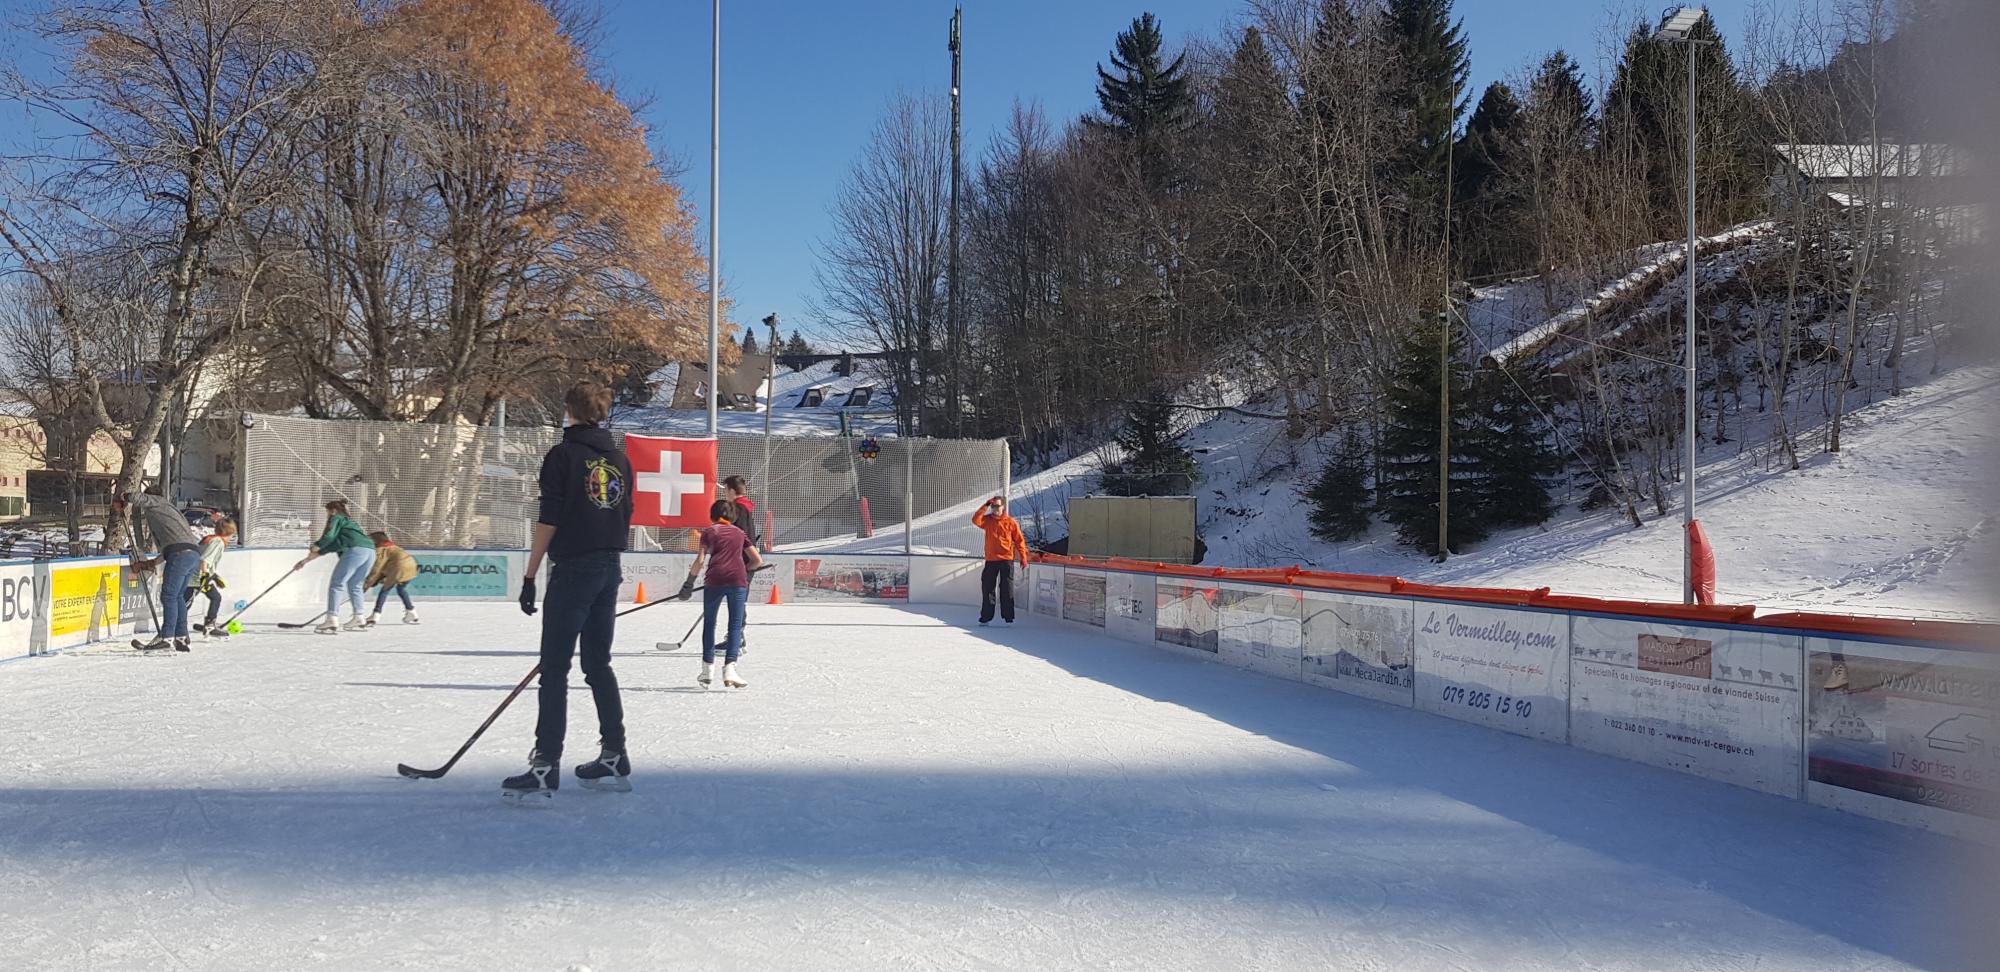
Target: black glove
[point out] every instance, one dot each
(528, 596)
(687, 590)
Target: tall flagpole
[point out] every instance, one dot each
(714, 213)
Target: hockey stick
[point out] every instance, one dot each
(259, 597)
(295, 625)
(677, 645)
(418, 774)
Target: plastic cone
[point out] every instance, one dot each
(639, 596)
(775, 599)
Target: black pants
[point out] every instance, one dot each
(214, 596)
(998, 578)
(581, 606)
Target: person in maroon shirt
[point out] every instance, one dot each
(730, 558)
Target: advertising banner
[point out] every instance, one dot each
(1714, 702)
(83, 602)
(21, 630)
(1083, 597)
(662, 573)
(1359, 645)
(1903, 732)
(1048, 589)
(460, 575)
(1502, 669)
(1128, 607)
(1258, 629)
(137, 596)
(1184, 615)
(846, 579)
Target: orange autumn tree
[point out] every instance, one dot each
(486, 221)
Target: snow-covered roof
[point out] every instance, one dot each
(1867, 161)
(791, 416)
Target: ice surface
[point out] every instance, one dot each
(895, 791)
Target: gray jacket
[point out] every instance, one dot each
(166, 525)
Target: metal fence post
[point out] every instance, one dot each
(909, 494)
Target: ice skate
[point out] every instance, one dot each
(372, 619)
(155, 644)
(535, 786)
(329, 626)
(181, 644)
(410, 616)
(731, 678)
(707, 674)
(609, 772)
(356, 623)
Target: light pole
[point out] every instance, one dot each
(714, 213)
(1679, 29)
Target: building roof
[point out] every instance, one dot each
(792, 416)
(1920, 160)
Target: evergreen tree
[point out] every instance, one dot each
(1430, 51)
(1407, 492)
(1486, 204)
(749, 341)
(1155, 463)
(1340, 497)
(1645, 114)
(1145, 99)
(1511, 443)
(798, 345)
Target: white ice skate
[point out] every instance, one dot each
(731, 678)
(371, 620)
(410, 616)
(707, 674)
(356, 623)
(329, 626)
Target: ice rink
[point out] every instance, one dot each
(894, 791)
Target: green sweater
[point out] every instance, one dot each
(341, 536)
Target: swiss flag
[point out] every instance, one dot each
(673, 480)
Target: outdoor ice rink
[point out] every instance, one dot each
(894, 791)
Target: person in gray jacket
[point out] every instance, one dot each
(179, 550)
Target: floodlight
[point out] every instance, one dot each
(1680, 26)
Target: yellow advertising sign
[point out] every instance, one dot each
(77, 595)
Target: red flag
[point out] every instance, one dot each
(1703, 573)
(673, 480)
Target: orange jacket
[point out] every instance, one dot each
(1003, 536)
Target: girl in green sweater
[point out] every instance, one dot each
(356, 553)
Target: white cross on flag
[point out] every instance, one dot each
(674, 480)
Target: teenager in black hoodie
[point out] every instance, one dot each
(586, 518)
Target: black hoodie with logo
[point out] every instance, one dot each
(586, 493)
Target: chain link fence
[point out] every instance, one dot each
(474, 486)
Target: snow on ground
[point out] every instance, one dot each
(897, 791)
(1896, 524)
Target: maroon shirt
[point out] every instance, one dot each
(724, 545)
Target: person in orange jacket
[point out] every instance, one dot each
(1005, 547)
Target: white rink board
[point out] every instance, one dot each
(955, 580)
(1904, 733)
(1502, 669)
(1358, 645)
(1258, 629)
(1732, 712)
(1128, 607)
(1045, 590)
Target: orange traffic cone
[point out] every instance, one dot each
(639, 596)
(775, 599)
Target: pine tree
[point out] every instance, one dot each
(1145, 99)
(1431, 54)
(1340, 497)
(1155, 463)
(749, 341)
(1645, 112)
(1511, 443)
(797, 345)
(1485, 202)
(1407, 492)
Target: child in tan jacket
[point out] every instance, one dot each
(394, 568)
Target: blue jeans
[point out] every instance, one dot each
(180, 568)
(348, 574)
(579, 616)
(712, 598)
(402, 591)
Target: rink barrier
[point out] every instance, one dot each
(1885, 717)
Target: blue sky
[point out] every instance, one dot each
(804, 80)
(803, 83)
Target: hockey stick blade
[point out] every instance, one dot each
(290, 626)
(417, 774)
